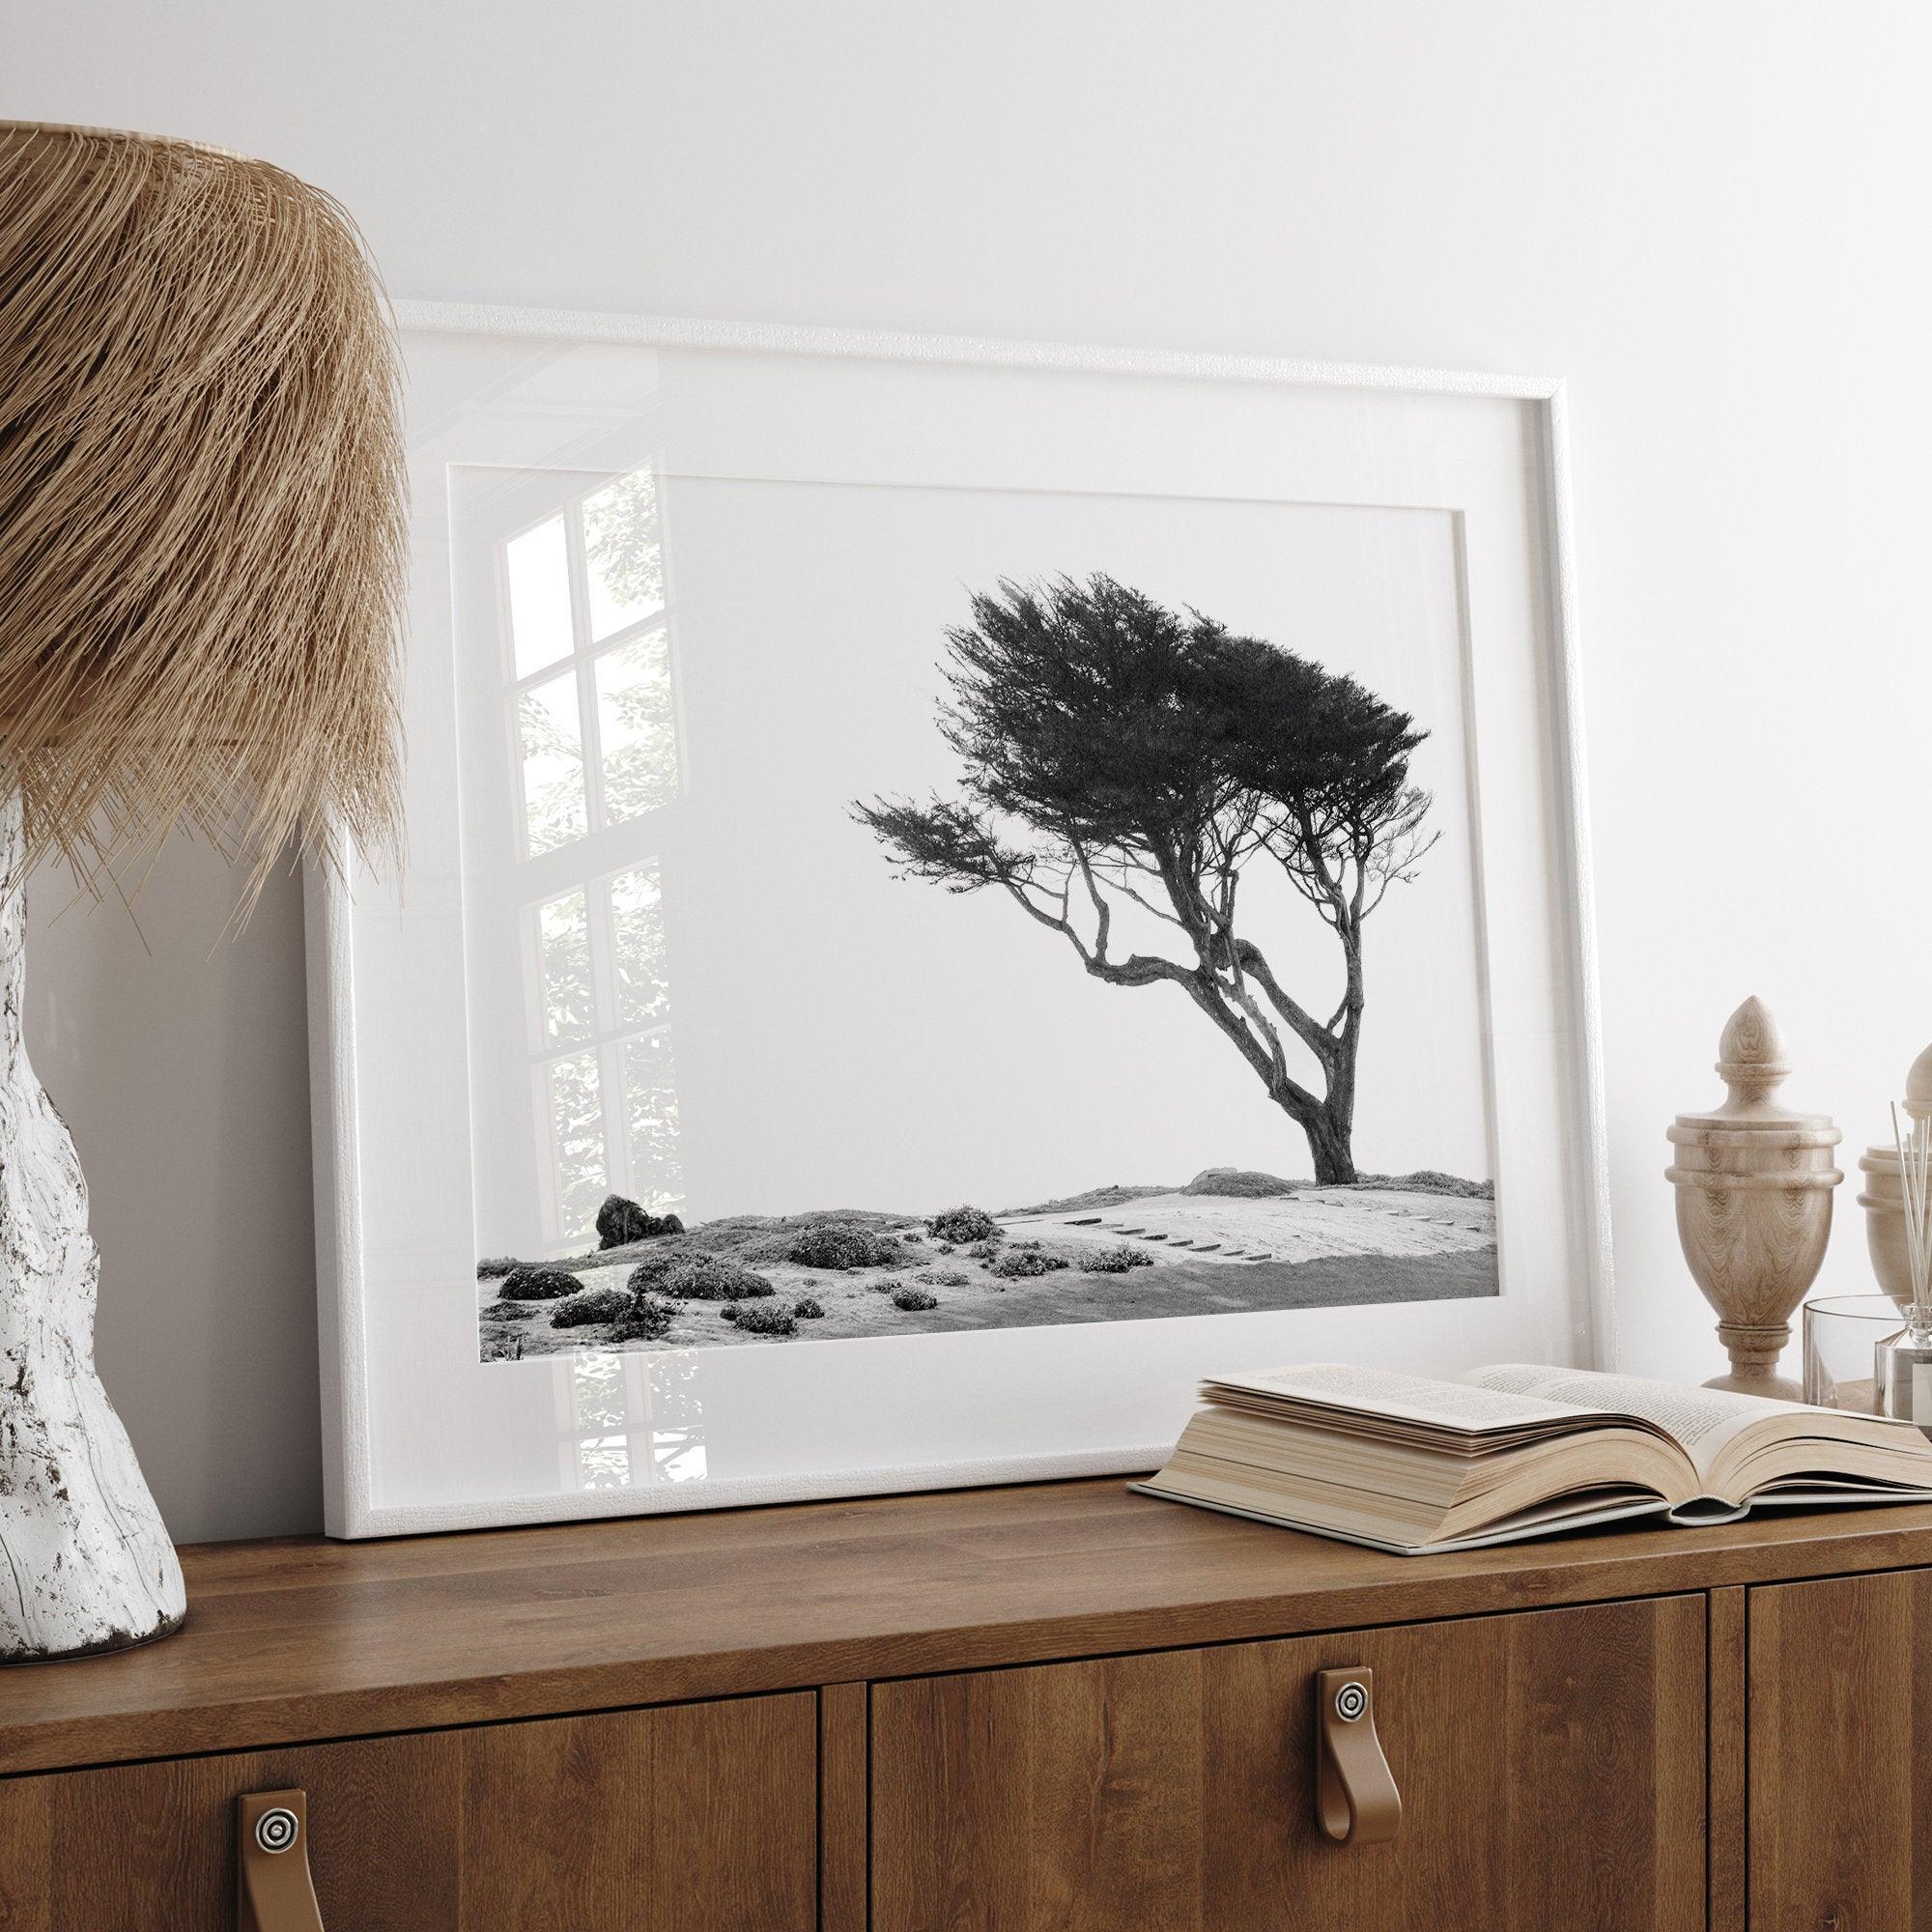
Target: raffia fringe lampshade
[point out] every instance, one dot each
(201, 562)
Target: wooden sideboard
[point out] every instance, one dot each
(999, 1711)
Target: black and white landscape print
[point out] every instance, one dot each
(879, 949)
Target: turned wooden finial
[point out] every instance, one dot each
(1918, 1087)
(1752, 1064)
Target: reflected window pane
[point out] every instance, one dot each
(539, 572)
(603, 1463)
(598, 1391)
(625, 563)
(636, 729)
(637, 932)
(577, 1138)
(554, 811)
(650, 1122)
(564, 939)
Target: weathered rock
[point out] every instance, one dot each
(621, 1222)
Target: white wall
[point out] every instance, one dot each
(1709, 216)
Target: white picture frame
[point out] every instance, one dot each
(420, 1436)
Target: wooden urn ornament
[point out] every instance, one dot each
(1884, 1195)
(1753, 1183)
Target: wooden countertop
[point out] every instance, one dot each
(303, 1640)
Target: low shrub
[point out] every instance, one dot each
(714, 1278)
(833, 1245)
(963, 1224)
(1430, 1180)
(492, 1266)
(1020, 1263)
(1243, 1183)
(913, 1299)
(808, 1308)
(644, 1320)
(538, 1284)
(653, 1269)
(1116, 1260)
(764, 1318)
(508, 1311)
(689, 1276)
(984, 1251)
(589, 1305)
(943, 1277)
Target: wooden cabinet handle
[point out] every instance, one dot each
(1355, 1799)
(273, 1890)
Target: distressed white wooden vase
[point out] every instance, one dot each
(85, 1562)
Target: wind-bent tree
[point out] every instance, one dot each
(1116, 752)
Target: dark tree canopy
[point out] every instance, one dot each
(1112, 751)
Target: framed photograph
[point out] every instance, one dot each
(954, 887)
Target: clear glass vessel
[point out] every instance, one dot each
(1843, 1336)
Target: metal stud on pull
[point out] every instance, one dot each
(277, 1828)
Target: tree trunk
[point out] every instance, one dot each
(1331, 1139)
(85, 1563)
(1329, 1123)
(1330, 1146)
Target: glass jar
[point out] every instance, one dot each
(1842, 1333)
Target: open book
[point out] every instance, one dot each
(1414, 1466)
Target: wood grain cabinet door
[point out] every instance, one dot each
(1841, 1753)
(1551, 1768)
(690, 1818)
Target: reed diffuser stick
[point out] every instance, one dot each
(1913, 1136)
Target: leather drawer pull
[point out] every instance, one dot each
(1355, 1799)
(273, 1890)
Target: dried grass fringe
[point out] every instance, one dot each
(203, 531)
